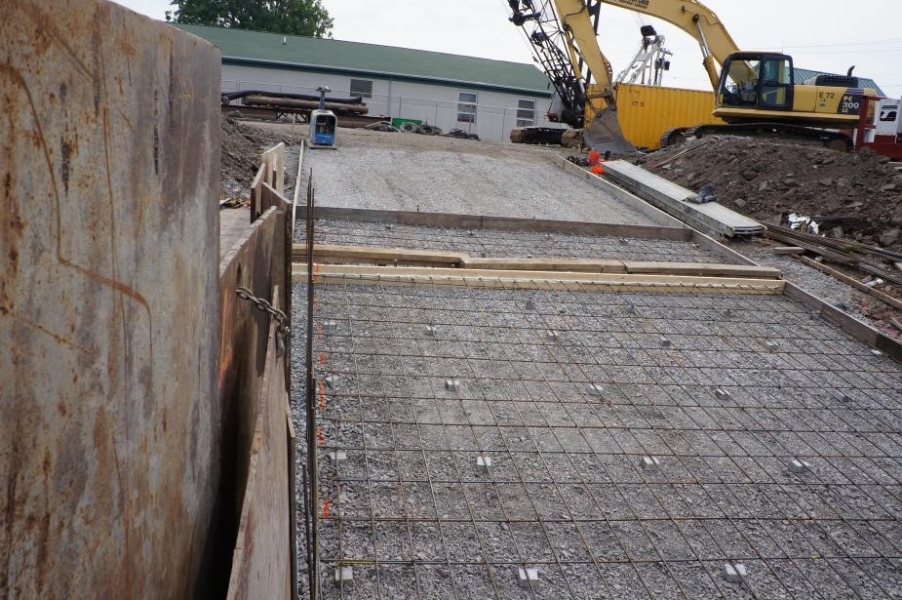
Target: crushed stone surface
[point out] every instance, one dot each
(744, 386)
(392, 171)
(858, 196)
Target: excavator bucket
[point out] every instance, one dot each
(604, 134)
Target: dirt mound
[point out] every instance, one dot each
(854, 195)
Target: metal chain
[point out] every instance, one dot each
(283, 330)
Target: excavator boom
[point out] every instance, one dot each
(755, 93)
(562, 34)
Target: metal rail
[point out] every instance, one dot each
(845, 252)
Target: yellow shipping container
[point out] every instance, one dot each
(646, 112)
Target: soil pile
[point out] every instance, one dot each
(852, 195)
(242, 146)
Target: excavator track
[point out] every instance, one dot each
(673, 137)
(782, 131)
(536, 135)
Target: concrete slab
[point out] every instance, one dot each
(711, 218)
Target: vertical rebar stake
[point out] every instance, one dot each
(312, 476)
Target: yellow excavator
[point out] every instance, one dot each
(755, 92)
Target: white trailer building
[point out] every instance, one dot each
(477, 95)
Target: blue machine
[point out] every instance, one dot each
(322, 123)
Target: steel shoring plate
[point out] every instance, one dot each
(723, 391)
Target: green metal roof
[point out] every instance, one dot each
(352, 58)
(863, 83)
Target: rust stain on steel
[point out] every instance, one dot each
(109, 155)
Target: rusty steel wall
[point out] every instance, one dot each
(109, 304)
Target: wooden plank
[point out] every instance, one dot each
(257, 193)
(505, 278)
(283, 241)
(298, 184)
(332, 253)
(702, 269)
(292, 451)
(885, 298)
(855, 328)
(274, 161)
(576, 265)
(788, 251)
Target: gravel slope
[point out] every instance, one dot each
(412, 172)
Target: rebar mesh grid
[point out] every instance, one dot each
(493, 244)
(769, 439)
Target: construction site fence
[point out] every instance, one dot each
(489, 121)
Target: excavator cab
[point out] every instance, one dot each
(756, 80)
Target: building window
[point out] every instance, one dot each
(466, 107)
(526, 113)
(362, 88)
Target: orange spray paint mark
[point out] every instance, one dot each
(322, 359)
(327, 508)
(320, 436)
(322, 395)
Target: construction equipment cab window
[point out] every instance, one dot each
(762, 81)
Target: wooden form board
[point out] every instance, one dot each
(533, 279)
(329, 254)
(855, 328)
(259, 483)
(455, 221)
(272, 173)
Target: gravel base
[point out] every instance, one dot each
(725, 391)
(414, 516)
(411, 172)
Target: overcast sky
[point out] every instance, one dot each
(826, 35)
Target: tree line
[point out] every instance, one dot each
(290, 17)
